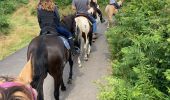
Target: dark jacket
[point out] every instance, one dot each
(48, 20)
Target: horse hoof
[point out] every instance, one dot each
(94, 36)
(63, 88)
(80, 66)
(69, 81)
(86, 59)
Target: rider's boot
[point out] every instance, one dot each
(71, 42)
(102, 19)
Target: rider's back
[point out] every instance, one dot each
(47, 18)
(81, 5)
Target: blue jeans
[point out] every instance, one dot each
(94, 23)
(64, 32)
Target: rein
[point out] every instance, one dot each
(12, 84)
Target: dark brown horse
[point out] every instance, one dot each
(48, 55)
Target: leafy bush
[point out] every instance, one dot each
(6, 8)
(140, 47)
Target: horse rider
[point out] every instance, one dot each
(81, 7)
(49, 21)
(114, 3)
(94, 3)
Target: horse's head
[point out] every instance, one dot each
(12, 88)
(68, 22)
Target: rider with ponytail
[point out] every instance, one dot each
(49, 21)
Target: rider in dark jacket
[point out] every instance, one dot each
(49, 21)
(93, 3)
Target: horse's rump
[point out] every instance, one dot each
(49, 55)
(83, 23)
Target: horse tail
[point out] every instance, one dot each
(39, 62)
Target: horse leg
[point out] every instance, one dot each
(57, 83)
(37, 83)
(90, 43)
(63, 87)
(110, 21)
(71, 70)
(79, 61)
(85, 48)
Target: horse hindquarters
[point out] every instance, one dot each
(39, 59)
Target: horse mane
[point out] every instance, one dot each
(68, 22)
(8, 94)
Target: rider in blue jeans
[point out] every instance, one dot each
(81, 7)
(114, 3)
(49, 21)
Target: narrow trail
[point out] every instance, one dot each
(83, 86)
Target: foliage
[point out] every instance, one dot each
(6, 8)
(63, 3)
(140, 47)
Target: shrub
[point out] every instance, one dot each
(6, 8)
(140, 47)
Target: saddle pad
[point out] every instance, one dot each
(66, 44)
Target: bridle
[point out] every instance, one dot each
(6, 85)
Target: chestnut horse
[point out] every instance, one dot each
(48, 55)
(110, 10)
(18, 88)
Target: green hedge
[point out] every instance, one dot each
(140, 46)
(6, 8)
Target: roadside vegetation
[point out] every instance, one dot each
(18, 23)
(140, 47)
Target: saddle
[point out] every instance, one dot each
(48, 30)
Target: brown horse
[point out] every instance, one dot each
(110, 10)
(48, 55)
(18, 88)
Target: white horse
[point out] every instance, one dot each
(110, 10)
(84, 31)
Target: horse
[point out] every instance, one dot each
(18, 88)
(48, 54)
(96, 13)
(110, 10)
(92, 10)
(81, 26)
(84, 31)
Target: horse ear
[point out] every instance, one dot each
(26, 73)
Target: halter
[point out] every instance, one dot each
(28, 87)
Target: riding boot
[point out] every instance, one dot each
(71, 42)
(101, 19)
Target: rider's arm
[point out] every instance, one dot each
(57, 16)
